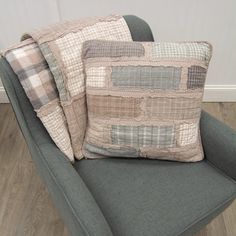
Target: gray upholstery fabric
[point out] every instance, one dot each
(140, 30)
(71, 195)
(151, 197)
(219, 143)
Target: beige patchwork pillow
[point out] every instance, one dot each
(37, 80)
(144, 99)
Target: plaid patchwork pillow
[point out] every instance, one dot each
(61, 45)
(32, 70)
(144, 99)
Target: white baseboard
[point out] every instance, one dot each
(3, 96)
(220, 93)
(212, 93)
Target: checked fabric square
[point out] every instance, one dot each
(144, 99)
(146, 77)
(196, 77)
(141, 136)
(96, 77)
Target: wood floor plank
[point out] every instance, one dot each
(25, 206)
(214, 109)
(228, 111)
(229, 216)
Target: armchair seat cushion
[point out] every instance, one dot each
(151, 197)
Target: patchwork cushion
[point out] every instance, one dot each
(35, 77)
(144, 99)
(61, 45)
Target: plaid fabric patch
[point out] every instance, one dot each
(194, 50)
(95, 77)
(188, 134)
(32, 70)
(143, 136)
(113, 107)
(176, 108)
(147, 77)
(96, 48)
(196, 77)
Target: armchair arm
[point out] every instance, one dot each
(71, 196)
(219, 144)
(139, 29)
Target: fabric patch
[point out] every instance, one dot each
(46, 51)
(95, 77)
(196, 77)
(188, 134)
(194, 50)
(36, 79)
(146, 77)
(92, 49)
(142, 136)
(70, 51)
(173, 108)
(32, 70)
(55, 123)
(97, 132)
(116, 152)
(113, 107)
(24, 56)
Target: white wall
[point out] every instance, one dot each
(170, 20)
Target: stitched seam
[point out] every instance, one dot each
(204, 216)
(220, 171)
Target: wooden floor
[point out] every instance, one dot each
(25, 205)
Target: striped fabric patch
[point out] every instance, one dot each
(147, 77)
(113, 107)
(112, 49)
(143, 136)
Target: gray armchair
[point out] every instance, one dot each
(123, 197)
